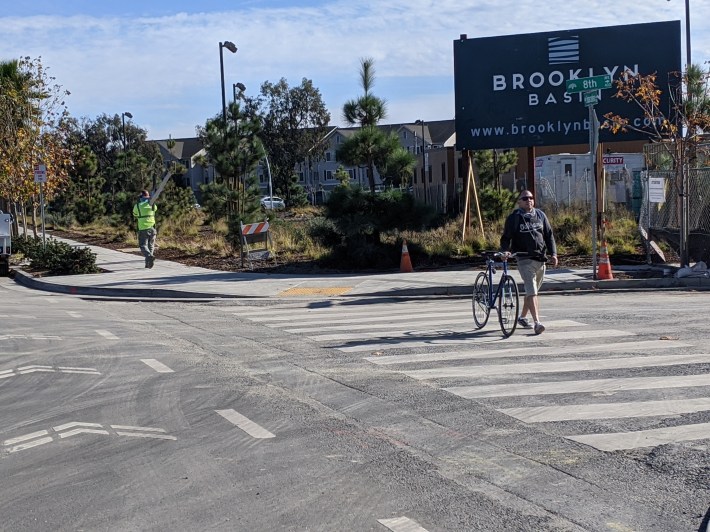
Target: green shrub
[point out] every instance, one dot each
(358, 218)
(495, 203)
(59, 220)
(25, 244)
(89, 210)
(324, 232)
(60, 258)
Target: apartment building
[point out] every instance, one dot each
(439, 177)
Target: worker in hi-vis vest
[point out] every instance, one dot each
(144, 213)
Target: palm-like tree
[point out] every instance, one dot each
(367, 145)
(367, 110)
(696, 105)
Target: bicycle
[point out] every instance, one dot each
(505, 299)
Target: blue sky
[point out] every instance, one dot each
(159, 59)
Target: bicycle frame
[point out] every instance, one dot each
(490, 271)
(503, 297)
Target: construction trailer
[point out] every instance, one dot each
(566, 179)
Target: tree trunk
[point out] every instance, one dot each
(34, 218)
(371, 175)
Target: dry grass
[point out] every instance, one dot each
(293, 242)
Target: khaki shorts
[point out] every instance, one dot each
(532, 273)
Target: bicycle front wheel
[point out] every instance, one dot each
(508, 305)
(479, 300)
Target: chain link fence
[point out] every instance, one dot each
(663, 219)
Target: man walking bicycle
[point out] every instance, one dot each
(144, 213)
(527, 230)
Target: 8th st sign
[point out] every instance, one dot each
(591, 83)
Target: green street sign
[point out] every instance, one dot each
(588, 84)
(590, 99)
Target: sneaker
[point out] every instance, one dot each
(524, 323)
(150, 262)
(539, 328)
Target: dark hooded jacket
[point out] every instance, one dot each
(529, 233)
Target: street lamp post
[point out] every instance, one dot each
(421, 122)
(239, 86)
(232, 48)
(123, 127)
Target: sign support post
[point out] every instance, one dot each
(590, 88)
(593, 141)
(41, 178)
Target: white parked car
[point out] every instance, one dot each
(272, 203)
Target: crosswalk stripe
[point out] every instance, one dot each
(376, 319)
(348, 313)
(402, 340)
(156, 365)
(106, 334)
(557, 366)
(402, 524)
(437, 328)
(247, 425)
(579, 386)
(639, 346)
(644, 438)
(542, 414)
(390, 323)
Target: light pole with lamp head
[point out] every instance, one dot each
(232, 48)
(421, 122)
(123, 127)
(239, 86)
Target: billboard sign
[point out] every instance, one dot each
(512, 91)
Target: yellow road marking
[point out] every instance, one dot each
(316, 291)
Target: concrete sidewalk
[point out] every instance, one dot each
(128, 278)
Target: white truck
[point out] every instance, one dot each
(5, 243)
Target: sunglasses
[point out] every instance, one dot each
(526, 198)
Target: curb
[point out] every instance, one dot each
(611, 285)
(26, 280)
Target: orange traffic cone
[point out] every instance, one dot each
(405, 265)
(604, 271)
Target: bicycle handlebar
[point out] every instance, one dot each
(502, 255)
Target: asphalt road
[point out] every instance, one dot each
(352, 415)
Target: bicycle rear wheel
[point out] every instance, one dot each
(508, 305)
(479, 300)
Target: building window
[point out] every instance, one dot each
(301, 177)
(352, 174)
(328, 175)
(327, 156)
(443, 172)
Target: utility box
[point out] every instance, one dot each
(5, 243)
